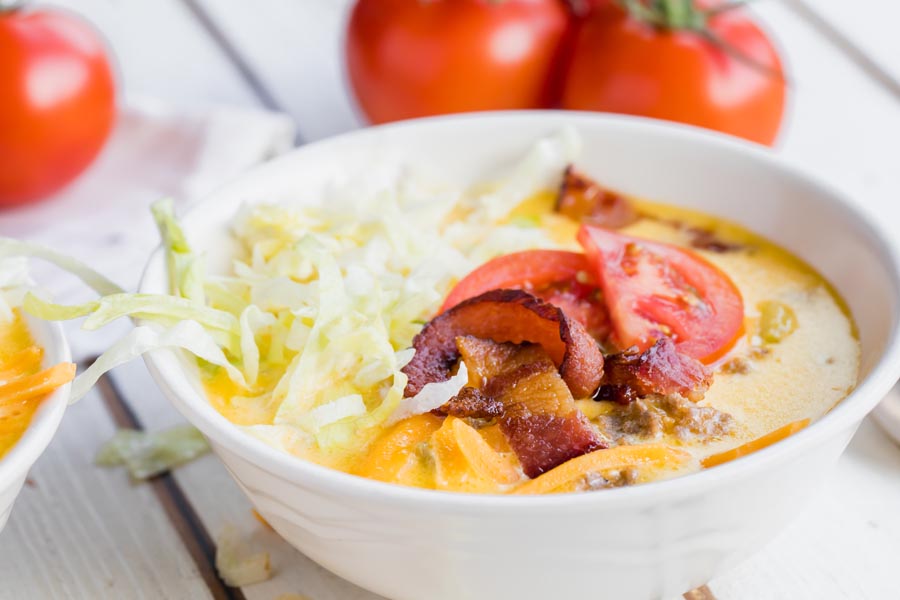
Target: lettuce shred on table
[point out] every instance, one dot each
(235, 565)
(147, 454)
(317, 314)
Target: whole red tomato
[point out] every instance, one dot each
(413, 58)
(676, 61)
(58, 102)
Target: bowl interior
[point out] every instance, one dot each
(671, 164)
(46, 419)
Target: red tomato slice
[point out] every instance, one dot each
(520, 270)
(653, 289)
(552, 275)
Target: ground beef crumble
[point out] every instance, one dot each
(655, 416)
(608, 479)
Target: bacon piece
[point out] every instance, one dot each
(522, 389)
(540, 420)
(486, 359)
(704, 239)
(542, 442)
(661, 369)
(583, 199)
(506, 316)
(472, 403)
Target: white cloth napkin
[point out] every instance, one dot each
(155, 151)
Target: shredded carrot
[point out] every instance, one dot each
(753, 446)
(566, 476)
(39, 384)
(23, 362)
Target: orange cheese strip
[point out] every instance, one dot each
(390, 455)
(566, 476)
(495, 438)
(32, 386)
(757, 444)
(20, 398)
(466, 462)
(21, 363)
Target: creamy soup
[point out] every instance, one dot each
(742, 345)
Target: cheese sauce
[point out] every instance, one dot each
(797, 358)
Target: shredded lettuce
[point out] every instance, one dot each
(91, 278)
(186, 335)
(432, 396)
(186, 271)
(140, 306)
(147, 454)
(539, 170)
(252, 321)
(314, 321)
(351, 405)
(235, 564)
(14, 284)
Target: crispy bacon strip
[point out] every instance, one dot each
(583, 199)
(521, 388)
(540, 420)
(472, 403)
(661, 369)
(506, 316)
(705, 239)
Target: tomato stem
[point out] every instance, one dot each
(724, 46)
(677, 14)
(685, 15)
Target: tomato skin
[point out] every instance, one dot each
(653, 289)
(415, 58)
(622, 65)
(527, 270)
(556, 276)
(58, 103)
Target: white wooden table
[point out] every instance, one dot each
(82, 532)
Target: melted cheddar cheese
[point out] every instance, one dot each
(776, 376)
(19, 357)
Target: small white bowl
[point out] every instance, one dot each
(647, 541)
(15, 465)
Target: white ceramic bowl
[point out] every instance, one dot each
(15, 465)
(648, 541)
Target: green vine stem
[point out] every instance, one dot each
(685, 15)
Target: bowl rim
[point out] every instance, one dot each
(45, 421)
(844, 417)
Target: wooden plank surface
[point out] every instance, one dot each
(78, 531)
(867, 28)
(161, 50)
(299, 56)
